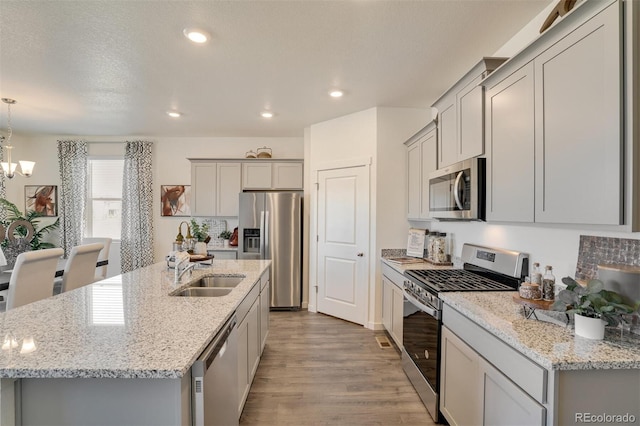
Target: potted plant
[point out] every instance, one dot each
(225, 235)
(200, 232)
(13, 214)
(593, 306)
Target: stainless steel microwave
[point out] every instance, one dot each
(457, 192)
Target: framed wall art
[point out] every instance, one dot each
(42, 199)
(175, 200)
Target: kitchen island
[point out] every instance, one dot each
(121, 343)
(534, 371)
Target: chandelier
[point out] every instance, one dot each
(9, 168)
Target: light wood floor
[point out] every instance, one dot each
(319, 370)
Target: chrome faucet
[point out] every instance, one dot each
(187, 268)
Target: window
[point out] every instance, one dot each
(104, 200)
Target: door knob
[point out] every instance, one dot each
(360, 254)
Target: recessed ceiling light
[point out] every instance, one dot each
(195, 35)
(266, 114)
(173, 114)
(336, 93)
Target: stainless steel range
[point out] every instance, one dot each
(484, 269)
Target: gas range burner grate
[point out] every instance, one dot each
(455, 280)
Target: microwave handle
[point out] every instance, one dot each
(456, 189)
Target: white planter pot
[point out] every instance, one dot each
(200, 248)
(591, 328)
(226, 243)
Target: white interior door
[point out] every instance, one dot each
(343, 243)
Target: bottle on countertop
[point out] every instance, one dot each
(548, 284)
(536, 275)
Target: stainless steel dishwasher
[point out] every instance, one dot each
(214, 380)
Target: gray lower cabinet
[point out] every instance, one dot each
(392, 303)
(460, 400)
(265, 301)
(248, 343)
(486, 382)
(474, 392)
(504, 403)
(105, 401)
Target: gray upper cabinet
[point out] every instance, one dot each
(461, 116)
(578, 125)
(203, 180)
(421, 161)
(448, 134)
(510, 130)
(214, 188)
(470, 102)
(553, 126)
(281, 175)
(216, 183)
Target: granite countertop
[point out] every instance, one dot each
(550, 345)
(144, 333)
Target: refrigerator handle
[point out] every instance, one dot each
(267, 237)
(262, 235)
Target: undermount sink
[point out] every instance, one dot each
(204, 292)
(224, 281)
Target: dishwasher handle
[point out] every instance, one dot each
(214, 348)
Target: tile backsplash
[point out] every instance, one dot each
(598, 250)
(216, 226)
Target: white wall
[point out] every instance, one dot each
(330, 142)
(389, 194)
(555, 246)
(527, 34)
(170, 166)
(375, 134)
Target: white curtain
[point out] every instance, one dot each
(72, 159)
(136, 249)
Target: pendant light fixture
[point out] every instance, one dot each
(9, 167)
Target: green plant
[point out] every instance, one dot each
(592, 301)
(225, 235)
(13, 214)
(200, 231)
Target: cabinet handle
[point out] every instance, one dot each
(360, 254)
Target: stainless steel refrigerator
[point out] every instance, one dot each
(270, 227)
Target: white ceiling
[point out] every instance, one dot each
(109, 67)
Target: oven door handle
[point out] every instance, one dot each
(426, 309)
